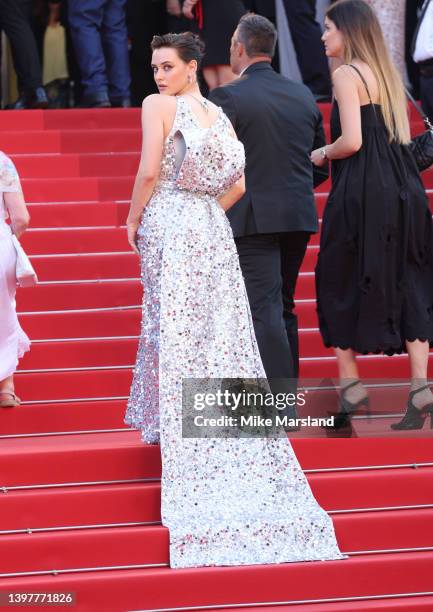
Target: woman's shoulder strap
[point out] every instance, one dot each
(361, 76)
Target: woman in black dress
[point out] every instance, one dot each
(374, 276)
(217, 20)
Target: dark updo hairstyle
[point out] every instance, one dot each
(189, 46)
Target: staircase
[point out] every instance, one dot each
(80, 493)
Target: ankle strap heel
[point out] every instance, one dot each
(414, 417)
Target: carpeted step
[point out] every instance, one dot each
(70, 296)
(139, 545)
(87, 266)
(77, 188)
(81, 324)
(381, 426)
(64, 385)
(78, 214)
(122, 455)
(92, 382)
(108, 414)
(86, 457)
(80, 354)
(72, 141)
(70, 119)
(164, 588)
(105, 293)
(63, 417)
(322, 454)
(355, 495)
(76, 165)
(75, 240)
(390, 604)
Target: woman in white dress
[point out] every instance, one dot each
(225, 501)
(13, 341)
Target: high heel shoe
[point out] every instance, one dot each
(347, 407)
(414, 417)
(342, 418)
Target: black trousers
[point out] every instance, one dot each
(306, 35)
(15, 19)
(270, 265)
(144, 19)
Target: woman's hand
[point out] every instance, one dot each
(317, 158)
(132, 228)
(18, 212)
(173, 8)
(234, 194)
(188, 7)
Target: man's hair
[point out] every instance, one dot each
(257, 34)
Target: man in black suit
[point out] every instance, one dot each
(279, 124)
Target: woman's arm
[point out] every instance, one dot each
(150, 162)
(350, 141)
(18, 212)
(233, 194)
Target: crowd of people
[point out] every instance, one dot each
(96, 53)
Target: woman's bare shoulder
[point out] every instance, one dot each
(159, 103)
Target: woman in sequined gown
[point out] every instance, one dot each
(225, 501)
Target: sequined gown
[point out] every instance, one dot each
(225, 501)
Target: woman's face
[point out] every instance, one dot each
(170, 72)
(332, 39)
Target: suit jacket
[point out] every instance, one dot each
(279, 123)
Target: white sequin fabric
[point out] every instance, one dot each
(225, 501)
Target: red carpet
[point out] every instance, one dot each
(80, 509)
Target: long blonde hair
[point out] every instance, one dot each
(363, 40)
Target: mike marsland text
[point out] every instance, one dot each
(259, 421)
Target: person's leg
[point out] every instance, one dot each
(15, 22)
(293, 248)
(260, 261)
(85, 20)
(115, 43)
(418, 358)
(306, 34)
(348, 374)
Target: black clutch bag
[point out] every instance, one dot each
(422, 146)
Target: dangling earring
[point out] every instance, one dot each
(189, 79)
